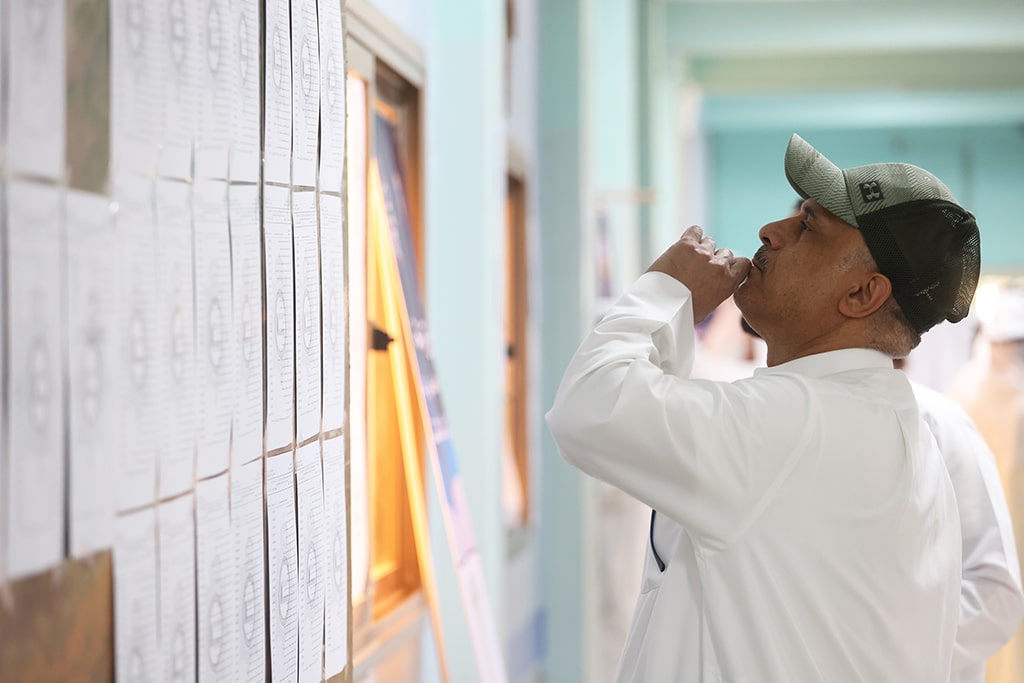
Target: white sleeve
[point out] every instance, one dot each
(991, 600)
(692, 449)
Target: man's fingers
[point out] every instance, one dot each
(739, 267)
(695, 232)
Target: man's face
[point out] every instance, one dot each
(806, 264)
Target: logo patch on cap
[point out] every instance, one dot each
(871, 191)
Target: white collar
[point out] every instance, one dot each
(830, 363)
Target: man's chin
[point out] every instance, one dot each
(748, 329)
(745, 302)
(740, 296)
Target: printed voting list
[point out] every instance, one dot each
(282, 568)
(277, 249)
(247, 309)
(136, 620)
(177, 558)
(175, 349)
(94, 305)
(336, 612)
(215, 354)
(277, 94)
(305, 91)
(312, 579)
(247, 528)
(36, 88)
(244, 163)
(34, 498)
(332, 96)
(216, 596)
(307, 316)
(332, 268)
(136, 335)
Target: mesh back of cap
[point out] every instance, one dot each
(930, 250)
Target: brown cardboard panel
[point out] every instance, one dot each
(61, 627)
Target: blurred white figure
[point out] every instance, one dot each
(991, 601)
(724, 351)
(991, 390)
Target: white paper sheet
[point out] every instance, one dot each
(94, 309)
(134, 375)
(332, 269)
(216, 593)
(332, 96)
(178, 50)
(307, 316)
(177, 560)
(282, 568)
(245, 129)
(247, 526)
(216, 80)
(305, 92)
(336, 611)
(135, 86)
(247, 308)
(277, 245)
(215, 339)
(35, 465)
(176, 404)
(36, 88)
(136, 615)
(312, 564)
(277, 102)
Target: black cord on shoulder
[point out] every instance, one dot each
(657, 557)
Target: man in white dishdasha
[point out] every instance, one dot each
(805, 528)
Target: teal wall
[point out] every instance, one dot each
(561, 193)
(465, 159)
(982, 164)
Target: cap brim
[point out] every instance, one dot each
(815, 177)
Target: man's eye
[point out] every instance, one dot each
(804, 227)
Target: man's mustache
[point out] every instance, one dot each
(760, 258)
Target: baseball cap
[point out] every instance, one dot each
(920, 237)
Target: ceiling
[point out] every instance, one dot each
(745, 46)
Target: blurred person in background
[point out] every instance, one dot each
(991, 600)
(991, 390)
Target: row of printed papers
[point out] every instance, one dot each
(189, 79)
(173, 318)
(189, 575)
(304, 92)
(164, 348)
(185, 89)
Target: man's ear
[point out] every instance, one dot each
(866, 297)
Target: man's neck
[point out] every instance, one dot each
(784, 351)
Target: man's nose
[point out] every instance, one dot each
(778, 234)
